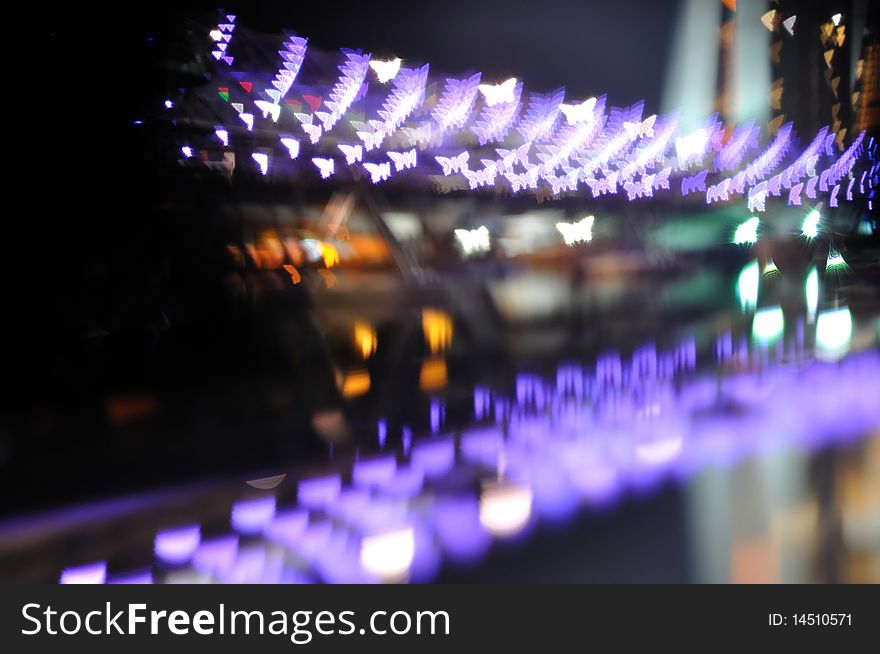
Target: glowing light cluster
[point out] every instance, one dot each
(500, 112)
(616, 426)
(352, 75)
(692, 148)
(743, 141)
(552, 147)
(456, 102)
(408, 93)
(221, 36)
(293, 55)
(541, 115)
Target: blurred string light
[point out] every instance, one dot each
(222, 35)
(345, 91)
(169, 104)
(378, 172)
(186, 151)
(484, 177)
(499, 114)
(498, 93)
(691, 147)
(325, 166)
(407, 94)
(306, 123)
(222, 134)
(810, 226)
(293, 54)
(454, 164)
(836, 19)
(262, 160)
(403, 160)
(579, 113)
(606, 150)
(269, 109)
(768, 325)
(541, 116)
(644, 128)
(353, 153)
(385, 70)
(833, 333)
(811, 292)
(291, 144)
(578, 232)
(747, 285)
(747, 232)
(473, 241)
(456, 102)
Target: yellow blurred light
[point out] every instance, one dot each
(433, 374)
(364, 339)
(329, 254)
(356, 383)
(828, 56)
(438, 330)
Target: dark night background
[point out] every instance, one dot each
(88, 249)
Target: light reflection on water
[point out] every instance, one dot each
(739, 433)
